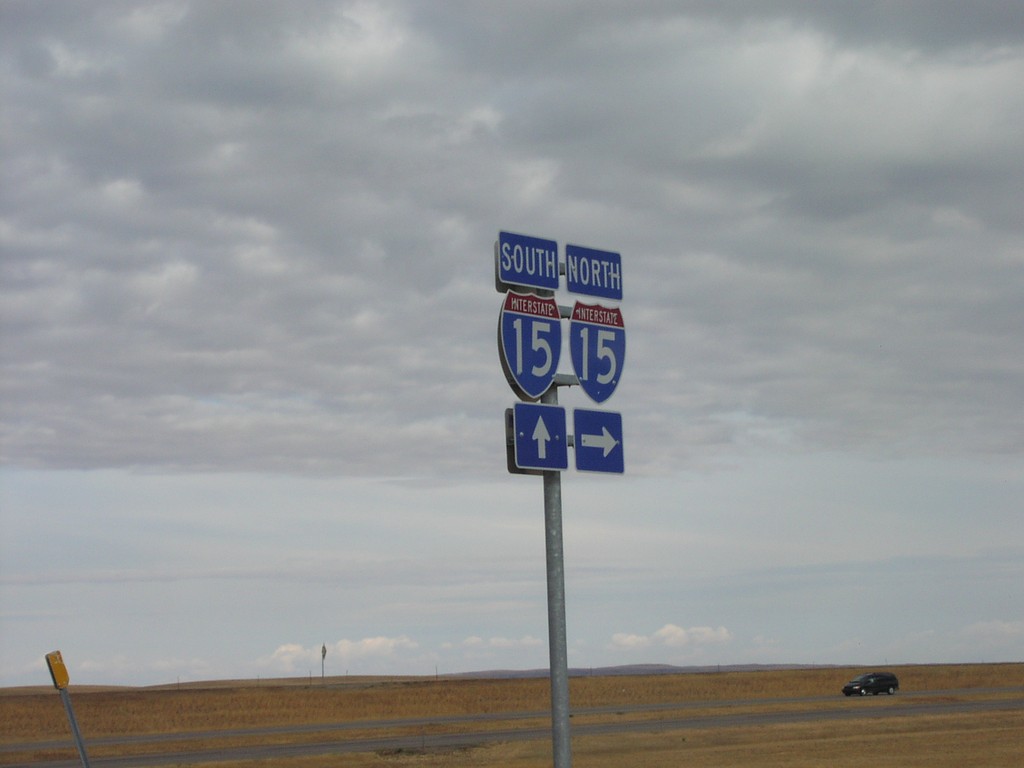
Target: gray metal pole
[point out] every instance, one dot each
(557, 646)
(79, 741)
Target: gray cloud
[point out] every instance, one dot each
(259, 245)
(266, 243)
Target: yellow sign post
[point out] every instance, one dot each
(58, 671)
(59, 674)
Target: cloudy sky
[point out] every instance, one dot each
(251, 393)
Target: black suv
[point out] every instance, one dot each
(872, 682)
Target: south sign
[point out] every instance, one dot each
(530, 340)
(597, 343)
(526, 261)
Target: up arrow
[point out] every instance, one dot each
(541, 436)
(604, 441)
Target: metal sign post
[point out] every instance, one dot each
(558, 653)
(527, 272)
(59, 675)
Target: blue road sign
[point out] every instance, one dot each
(597, 436)
(597, 344)
(593, 273)
(540, 436)
(530, 338)
(526, 261)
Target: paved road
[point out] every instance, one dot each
(609, 720)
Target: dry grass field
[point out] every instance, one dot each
(33, 727)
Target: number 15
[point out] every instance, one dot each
(539, 343)
(604, 352)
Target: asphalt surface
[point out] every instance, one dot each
(325, 739)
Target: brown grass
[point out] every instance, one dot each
(34, 716)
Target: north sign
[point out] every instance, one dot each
(591, 272)
(530, 340)
(597, 344)
(540, 436)
(597, 437)
(522, 260)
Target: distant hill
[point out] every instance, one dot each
(636, 669)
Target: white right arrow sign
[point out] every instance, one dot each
(599, 441)
(605, 441)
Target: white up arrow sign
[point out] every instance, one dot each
(605, 441)
(541, 437)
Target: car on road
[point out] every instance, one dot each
(872, 682)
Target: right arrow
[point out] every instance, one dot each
(604, 440)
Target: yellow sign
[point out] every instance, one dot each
(58, 671)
